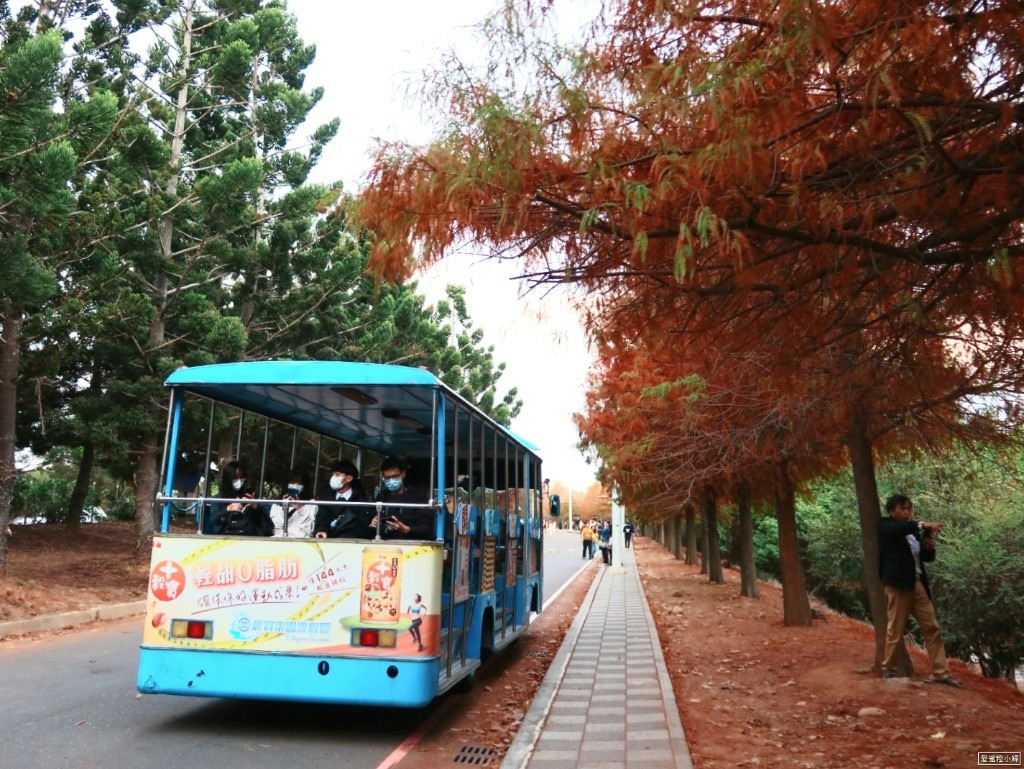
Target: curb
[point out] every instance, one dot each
(71, 618)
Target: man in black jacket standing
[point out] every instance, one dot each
(904, 546)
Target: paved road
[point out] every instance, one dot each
(69, 700)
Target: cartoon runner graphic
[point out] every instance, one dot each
(416, 610)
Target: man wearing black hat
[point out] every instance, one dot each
(341, 520)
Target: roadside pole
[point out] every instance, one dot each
(618, 520)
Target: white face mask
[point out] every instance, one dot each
(238, 483)
(338, 481)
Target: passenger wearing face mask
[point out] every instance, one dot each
(340, 520)
(397, 522)
(232, 484)
(294, 515)
(237, 517)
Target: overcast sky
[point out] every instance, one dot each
(367, 56)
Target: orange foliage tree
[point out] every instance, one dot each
(759, 412)
(677, 422)
(584, 504)
(842, 179)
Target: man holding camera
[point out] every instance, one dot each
(904, 546)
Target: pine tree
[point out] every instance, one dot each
(41, 148)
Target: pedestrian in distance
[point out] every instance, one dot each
(606, 543)
(627, 533)
(904, 546)
(587, 536)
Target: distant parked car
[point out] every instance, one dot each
(89, 515)
(28, 520)
(93, 515)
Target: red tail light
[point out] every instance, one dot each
(196, 629)
(374, 637)
(369, 637)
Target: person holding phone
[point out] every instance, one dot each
(235, 515)
(397, 521)
(294, 515)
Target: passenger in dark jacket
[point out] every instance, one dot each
(341, 520)
(904, 546)
(242, 518)
(397, 520)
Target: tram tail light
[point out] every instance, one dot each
(192, 628)
(374, 637)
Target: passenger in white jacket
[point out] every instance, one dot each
(294, 515)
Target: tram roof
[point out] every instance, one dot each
(385, 408)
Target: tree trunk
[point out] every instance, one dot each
(735, 553)
(146, 473)
(712, 550)
(10, 357)
(80, 493)
(673, 536)
(146, 512)
(691, 536)
(745, 535)
(862, 461)
(702, 522)
(796, 608)
(227, 448)
(76, 504)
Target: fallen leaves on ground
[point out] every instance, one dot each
(754, 693)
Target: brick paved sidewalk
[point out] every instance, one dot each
(607, 700)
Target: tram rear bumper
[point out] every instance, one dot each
(375, 681)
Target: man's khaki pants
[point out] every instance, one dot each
(913, 603)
